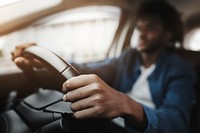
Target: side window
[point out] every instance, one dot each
(192, 40)
(81, 34)
(134, 38)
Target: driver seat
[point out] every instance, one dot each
(193, 57)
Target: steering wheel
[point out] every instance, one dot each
(53, 61)
(44, 111)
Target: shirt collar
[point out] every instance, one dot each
(160, 61)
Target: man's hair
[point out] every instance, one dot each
(168, 15)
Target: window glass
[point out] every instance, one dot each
(192, 40)
(134, 38)
(81, 34)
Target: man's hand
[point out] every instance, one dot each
(92, 97)
(24, 62)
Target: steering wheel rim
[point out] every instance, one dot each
(52, 61)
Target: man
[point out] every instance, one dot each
(150, 87)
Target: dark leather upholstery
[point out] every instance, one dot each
(8, 123)
(193, 57)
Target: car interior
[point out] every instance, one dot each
(80, 31)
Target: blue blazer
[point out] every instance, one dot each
(171, 86)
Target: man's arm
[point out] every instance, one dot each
(91, 97)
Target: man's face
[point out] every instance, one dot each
(151, 34)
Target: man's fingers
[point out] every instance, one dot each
(22, 62)
(87, 113)
(82, 104)
(25, 63)
(19, 50)
(36, 63)
(78, 81)
(23, 46)
(80, 93)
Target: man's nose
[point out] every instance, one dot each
(142, 34)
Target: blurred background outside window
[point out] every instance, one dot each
(81, 34)
(191, 40)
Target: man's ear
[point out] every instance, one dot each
(168, 35)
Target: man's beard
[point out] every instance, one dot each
(151, 49)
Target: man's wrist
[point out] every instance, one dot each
(134, 114)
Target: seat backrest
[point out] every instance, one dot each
(193, 57)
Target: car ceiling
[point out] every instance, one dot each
(190, 10)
